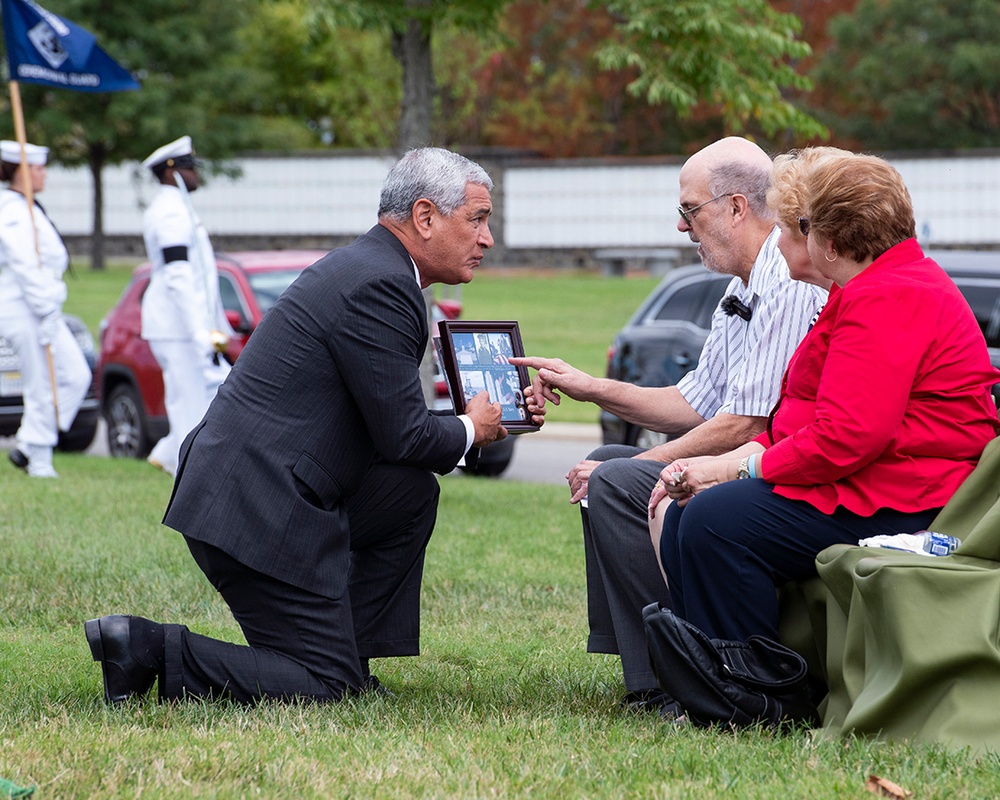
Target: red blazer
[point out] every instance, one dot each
(886, 402)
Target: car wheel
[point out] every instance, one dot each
(494, 459)
(79, 437)
(127, 431)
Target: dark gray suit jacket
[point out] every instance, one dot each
(328, 380)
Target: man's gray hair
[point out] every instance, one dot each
(432, 173)
(749, 180)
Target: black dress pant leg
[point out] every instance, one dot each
(300, 644)
(391, 517)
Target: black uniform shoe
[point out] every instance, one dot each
(18, 459)
(130, 650)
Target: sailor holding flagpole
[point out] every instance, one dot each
(44, 48)
(32, 262)
(182, 316)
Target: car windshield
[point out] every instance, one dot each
(268, 286)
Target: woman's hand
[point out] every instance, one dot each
(706, 474)
(671, 483)
(686, 477)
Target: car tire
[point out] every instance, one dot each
(80, 435)
(128, 432)
(496, 463)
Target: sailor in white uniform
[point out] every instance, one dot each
(32, 262)
(182, 316)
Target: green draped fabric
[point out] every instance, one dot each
(910, 645)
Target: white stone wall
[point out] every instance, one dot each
(579, 204)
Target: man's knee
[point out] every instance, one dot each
(608, 451)
(622, 476)
(406, 485)
(424, 484)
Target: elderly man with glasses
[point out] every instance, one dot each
(720, 405)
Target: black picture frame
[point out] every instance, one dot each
(474, 357)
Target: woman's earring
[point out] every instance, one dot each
(827, 256)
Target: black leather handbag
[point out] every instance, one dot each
(717, 682)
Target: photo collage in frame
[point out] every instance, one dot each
(475, 358)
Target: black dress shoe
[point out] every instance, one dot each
(129, 662)
(373, 685)
(646, 700)
(18, 459)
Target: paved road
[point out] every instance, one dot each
(547, 455)
(542, 457)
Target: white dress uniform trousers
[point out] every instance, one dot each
(179, 309)
(32, 292)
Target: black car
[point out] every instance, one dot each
(661, 342)
(977, 275)
(81, 434)
(663, 339)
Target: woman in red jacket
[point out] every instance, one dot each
(884, 410)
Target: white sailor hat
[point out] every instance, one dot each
(11, 151)
(179, 153)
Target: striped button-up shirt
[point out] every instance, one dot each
(740, 367)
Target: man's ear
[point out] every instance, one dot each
(423, 213)
(739, 207)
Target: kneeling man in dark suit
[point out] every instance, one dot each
(306, 494)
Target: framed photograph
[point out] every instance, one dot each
(475, 358)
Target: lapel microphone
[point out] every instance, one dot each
(731, 305)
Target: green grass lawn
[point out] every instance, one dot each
(502, 702)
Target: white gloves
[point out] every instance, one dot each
(219, 341)
(211, 342)
(48, 326)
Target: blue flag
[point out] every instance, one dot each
(42, 47)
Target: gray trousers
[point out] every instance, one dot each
(622, 573)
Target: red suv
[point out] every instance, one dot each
(129, 380)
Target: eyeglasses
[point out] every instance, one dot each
(803, 226)
(687, 214)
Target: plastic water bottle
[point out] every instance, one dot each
(928, 543)
(938, 544)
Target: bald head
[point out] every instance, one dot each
(733, 165)
(724, 204)
(732, 148)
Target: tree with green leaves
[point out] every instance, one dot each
(911, 74)
(187, 56)
(731, 55)
(326, 88)
(541, 87)
(410, 24)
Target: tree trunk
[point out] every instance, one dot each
(96, 162)
(412, 48)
